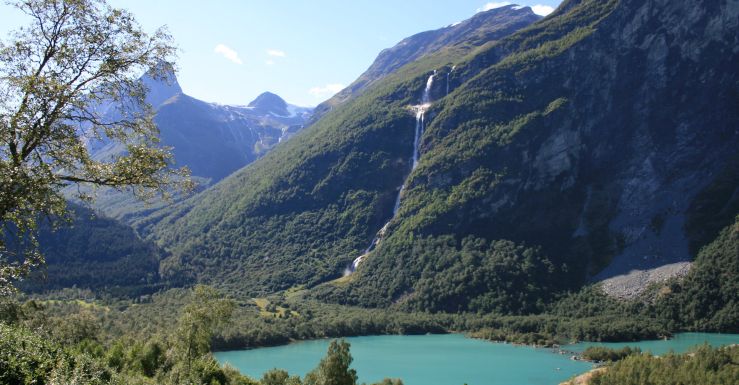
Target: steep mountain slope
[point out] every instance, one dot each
(592, 146)
(214, 140)
(575, 147)
(312, 203)
(96, 253)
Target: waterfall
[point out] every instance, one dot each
(447, 79)
(420, 112)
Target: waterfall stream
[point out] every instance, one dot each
(420, 125)
(447, 78)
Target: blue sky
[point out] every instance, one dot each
(231, 51)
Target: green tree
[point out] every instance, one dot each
(68, 79)
(199, 321)
(279, 377)
(334, 368)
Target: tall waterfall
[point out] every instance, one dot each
(420, 126)
(447, 78)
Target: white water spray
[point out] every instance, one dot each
(420, 126)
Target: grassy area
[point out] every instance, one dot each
(268, 309)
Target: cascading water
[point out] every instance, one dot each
(447, 79)
(420, 112)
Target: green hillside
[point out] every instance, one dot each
(560, 150)
(97, 253)
(312, 203)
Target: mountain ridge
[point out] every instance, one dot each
(480, 29)
(212, 140)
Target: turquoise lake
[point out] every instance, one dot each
(446, 359)
(680, 343)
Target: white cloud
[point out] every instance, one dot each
(276, 53)
(327, 90)
(493, 5)
(542, 10)
(228, 53)
(269, 62)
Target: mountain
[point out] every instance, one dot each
(597, 142)
(310, 206)
(215, 140)
(212, 140)
(459, 38)
(97, 250)
(269, 103)
(98, 253)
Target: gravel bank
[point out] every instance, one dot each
(633, 283)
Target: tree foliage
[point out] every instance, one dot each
(704, 366)
(601, 353)
(334, 368)
(199, 321)
(68, 79)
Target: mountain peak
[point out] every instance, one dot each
(161, 84)
(464, 36)
(269, 102)
(514, 9)
(496, 15)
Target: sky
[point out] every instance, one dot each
(230, 51)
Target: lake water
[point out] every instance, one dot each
(680, 343)
(445, 359)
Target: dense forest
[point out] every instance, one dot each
(698, 302)
(701, 366)
(91, 251)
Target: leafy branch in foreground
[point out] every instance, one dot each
(69, 80)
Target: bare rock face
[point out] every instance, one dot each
(677, 149)
(658, 128)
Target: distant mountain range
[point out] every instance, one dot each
(212, 140)
(215, 140)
